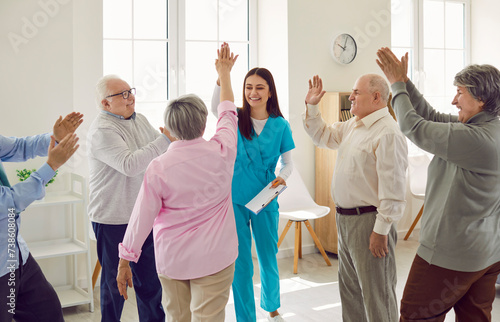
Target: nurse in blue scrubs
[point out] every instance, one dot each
(263, 137)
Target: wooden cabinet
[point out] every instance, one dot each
(334, 107)
(73, 248)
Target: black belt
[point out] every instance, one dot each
(356, 211)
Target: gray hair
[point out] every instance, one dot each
(378, 84)
(483, 83)
(102, 90)
(186, 117)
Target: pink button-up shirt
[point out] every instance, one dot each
(186, 199)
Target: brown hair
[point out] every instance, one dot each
(273, 108)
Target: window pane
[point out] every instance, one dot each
(117, 59)
(239, 71)
(402, 22)
(455, 25)
(440, 104)
(434, 72)
(117, 18)
(153, 112)
(201, 19)
(233, 19)
(399, 52)
(150, 70)
(200, 69)
(455, 62)
(433, 24)
(150, 19)
(211, 122)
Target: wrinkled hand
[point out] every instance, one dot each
(378, 245)
(315, 92)
(69, 124)
(278, 181)
(58, 155)
(225, 60)
(394, 69)
(124, 278)
(167, 133)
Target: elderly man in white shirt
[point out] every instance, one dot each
(368, 187)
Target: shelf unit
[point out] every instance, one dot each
(334, 107)
(72, 246)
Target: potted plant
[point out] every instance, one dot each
(25, 174)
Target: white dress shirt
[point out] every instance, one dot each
(371, 163)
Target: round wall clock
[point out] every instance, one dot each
(344, 48)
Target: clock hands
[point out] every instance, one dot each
(341, 46)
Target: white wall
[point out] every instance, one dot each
(311, 27)
(50, 60)
(484, 27)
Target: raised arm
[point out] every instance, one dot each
(224, 63)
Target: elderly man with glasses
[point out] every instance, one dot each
(121, 144)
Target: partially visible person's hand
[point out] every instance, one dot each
(378, 245)
(124, 277)
(315, 92)
(394, 69)
(278, 181)
(167, 133)
(225, 60)
(58, 155)
(69, 124)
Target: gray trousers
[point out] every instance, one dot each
(367, 284)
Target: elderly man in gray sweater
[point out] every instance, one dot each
(121, 144)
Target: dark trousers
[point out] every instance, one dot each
(431, 291)
(147, 285)
(27, 293)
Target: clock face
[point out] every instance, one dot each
(344, 48)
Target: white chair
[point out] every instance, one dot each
(297, 206)
(417, 173)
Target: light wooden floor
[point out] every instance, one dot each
(310, 295)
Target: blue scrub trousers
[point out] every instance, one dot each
(147, 285)
(265, 233)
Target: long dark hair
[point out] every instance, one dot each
(273, 108)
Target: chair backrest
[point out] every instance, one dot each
(296, 196)
(417, 169)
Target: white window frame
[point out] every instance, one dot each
(176, 40)
(417, 41)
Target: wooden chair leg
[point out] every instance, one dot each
(414, 223)
(283, 234)
(300, 239)
(297, 246)
(97, 270)
(317, 242)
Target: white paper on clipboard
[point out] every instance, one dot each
(263, 198)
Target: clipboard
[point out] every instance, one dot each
(264, 198)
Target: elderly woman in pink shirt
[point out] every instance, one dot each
(186, 199)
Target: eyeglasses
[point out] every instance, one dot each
(124, 94)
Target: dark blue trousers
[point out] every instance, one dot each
(28, 296)
(147, 286)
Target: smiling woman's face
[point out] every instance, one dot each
(256, 91)
(467, 105)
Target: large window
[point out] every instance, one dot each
(435, 33)
(168, 48)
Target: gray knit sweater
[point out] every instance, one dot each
(461, 219)
(119, 152)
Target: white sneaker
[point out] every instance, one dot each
(277, 318)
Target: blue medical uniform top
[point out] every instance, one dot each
(257, 158)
